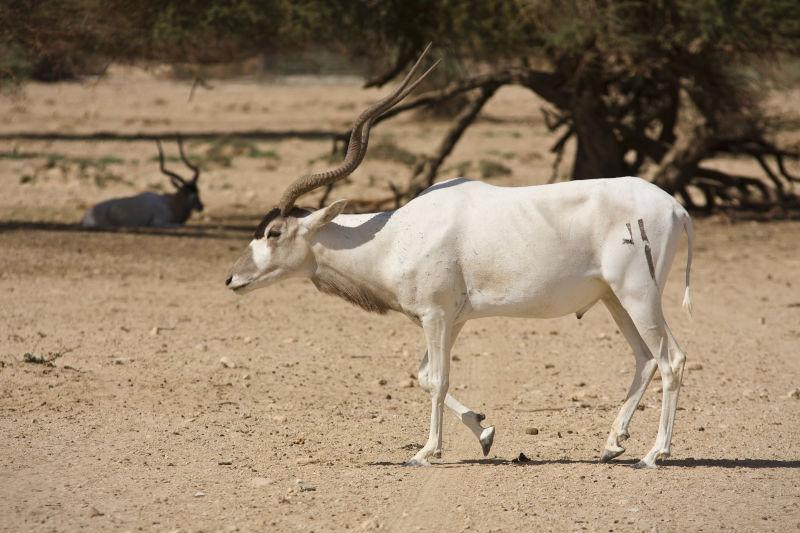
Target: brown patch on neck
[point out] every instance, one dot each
(330, 282)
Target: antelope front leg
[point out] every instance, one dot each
(438, 331)
(470, 418)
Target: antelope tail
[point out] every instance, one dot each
(687, 294)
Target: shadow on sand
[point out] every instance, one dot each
(221, 231)
(683, 463)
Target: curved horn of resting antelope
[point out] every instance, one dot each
(194, 168)
(150, 208)
(464, 250)
(174, 177)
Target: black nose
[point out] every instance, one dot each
(228, 281)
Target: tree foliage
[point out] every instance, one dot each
(643, 87)
(654, 87)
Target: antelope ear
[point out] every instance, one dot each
(320, 217)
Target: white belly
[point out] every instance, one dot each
(534, 300)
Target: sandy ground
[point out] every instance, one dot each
(136, 424)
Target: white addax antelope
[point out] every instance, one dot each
(464, 250)
(149, 208)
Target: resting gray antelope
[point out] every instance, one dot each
(149, 208)
(464, 250)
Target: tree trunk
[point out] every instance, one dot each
(680, 162)
(599, 153)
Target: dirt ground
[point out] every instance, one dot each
(137, 425)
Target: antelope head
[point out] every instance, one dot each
(187, 195)
(281, 245)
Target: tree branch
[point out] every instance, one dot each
(403, 59)
(425, 172)
(427, 169)
(558, 149)
(682, 159)
(543, 83)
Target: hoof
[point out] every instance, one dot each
(437, 454)
(417, 462)
(487, 438)
(644, 465)
(609, 454)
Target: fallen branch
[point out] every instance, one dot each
(308, 135)
(717, 182)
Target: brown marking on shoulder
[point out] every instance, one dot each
(641, 230)
(647, 252)
(331, 283)
(628, 241)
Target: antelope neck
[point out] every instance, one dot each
(348, 265)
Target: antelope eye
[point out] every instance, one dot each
(273, 233)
